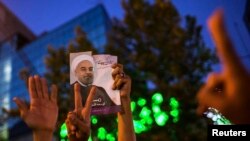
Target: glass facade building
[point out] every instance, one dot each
(95, 22)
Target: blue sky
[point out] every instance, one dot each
(46, 15)
(233, 17)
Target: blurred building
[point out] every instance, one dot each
(10, 25)
(19, 48)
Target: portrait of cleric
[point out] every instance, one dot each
(83, 71)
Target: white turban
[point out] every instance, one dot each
(79, 59)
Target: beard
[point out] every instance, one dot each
(87, 80)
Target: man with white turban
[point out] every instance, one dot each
(83, 67)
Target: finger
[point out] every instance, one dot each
(81, 125)
(45, 91)
(115, 71)
(87, 108)
(117, 78)
(223, 43)
(23, 108)
(78, 97)
(126, 87)
(70, 113)
(54, 93)
(71, 129)
(38, 86)
(71, 116)
(209, 98)
(32, 88)
(114, 65)
(67, 122)
(120, 83)
(118, 68)
(214, 81)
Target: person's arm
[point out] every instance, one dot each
(41, 115)
(41, 135)
(125, 119)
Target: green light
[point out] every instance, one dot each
(101, 133)
(143, 121)
(226, 121)
(141, 102)
(219, 122)
(161, 118)
(217, 117)
(174, 103)
(63, 131)
(110, 137)
(139, 127)
(174, 113)
(90, 139)
(148, 121)
(94, 120)
(132, 105)
(156, 109)
(175, 120)
(157, 98)
(145, 112)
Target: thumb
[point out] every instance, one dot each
(23, 108)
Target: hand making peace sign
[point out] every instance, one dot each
(78, 121)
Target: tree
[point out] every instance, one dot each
(155, 47)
